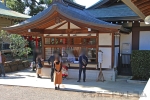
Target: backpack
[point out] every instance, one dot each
(84, 61)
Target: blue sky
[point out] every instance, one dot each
(86, 3)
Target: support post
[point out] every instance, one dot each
(100, 59)
(100, 76)
(36, 42)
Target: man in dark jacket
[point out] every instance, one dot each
(51, 62)
(83, 61)
(35, 54)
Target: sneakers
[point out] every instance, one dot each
(57, 88)
(78, 81)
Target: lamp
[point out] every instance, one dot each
(147, 20)
(29, 30)
(89, 29)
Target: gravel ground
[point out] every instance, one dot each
(28, 93)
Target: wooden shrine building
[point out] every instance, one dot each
(68, 27)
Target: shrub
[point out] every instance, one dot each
(140, 63)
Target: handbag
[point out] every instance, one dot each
(84, 61)
(39, 66)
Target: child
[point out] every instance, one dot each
(64, 71)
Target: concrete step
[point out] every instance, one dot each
(122, 78)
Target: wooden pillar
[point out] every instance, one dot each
(97, 46)
(36, 42)
(113, 50)
(43, 49)
(135, 35)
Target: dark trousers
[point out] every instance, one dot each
(34, 66)
(2, 69)
(52, 74)
(84, 73)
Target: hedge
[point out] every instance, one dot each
(140, 63)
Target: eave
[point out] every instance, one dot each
(134, 8)
(57, 10)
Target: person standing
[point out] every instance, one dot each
(58, 72)
(51, 63)
(2, 61)
(35, 54)
(83, 61)
(39, 65)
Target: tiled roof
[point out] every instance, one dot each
(112, 11)
(6, 12)
(71, 13)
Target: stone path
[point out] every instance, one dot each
(30, 93)
(28, 79)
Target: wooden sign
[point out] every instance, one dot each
(100, 56)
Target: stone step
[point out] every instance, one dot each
(123, 78)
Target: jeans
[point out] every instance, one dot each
(84, 73)
(2, 69)
(34, 66)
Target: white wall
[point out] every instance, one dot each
(105, 39)
(117, 40)
(126, 38)
(144, 42)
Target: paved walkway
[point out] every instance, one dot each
(28, 78)
(30, 93)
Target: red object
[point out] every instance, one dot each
(64, 71)
(64, 41)
(36, 42)
(30, 38)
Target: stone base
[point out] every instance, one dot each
(109, 75)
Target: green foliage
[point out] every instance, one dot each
(16, 5)
(140, 63)
(17, 44)
(34, 6)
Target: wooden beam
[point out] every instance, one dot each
(37, 30)
(68, 25)
(64, 31)
(59, 25)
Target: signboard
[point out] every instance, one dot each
(100, 56)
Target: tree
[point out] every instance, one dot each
(31, 7)
(18, 44)
(16, 5)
